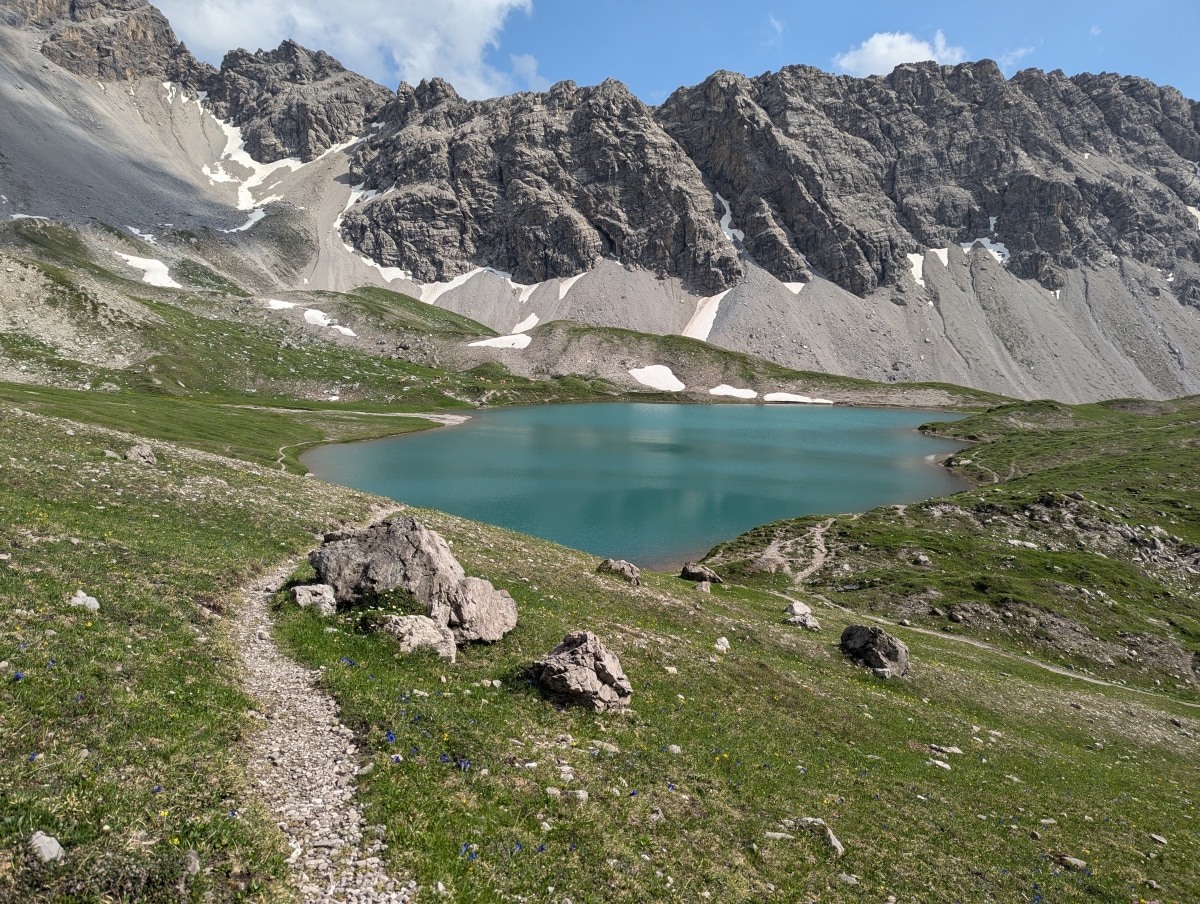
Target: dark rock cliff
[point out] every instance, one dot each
(293, 102)
(852, 174)
(538, 185)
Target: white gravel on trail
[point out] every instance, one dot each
(304, 763)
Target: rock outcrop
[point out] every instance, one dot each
(626, 571)
(536, 185)
(694, 571)
(141, 454)
(800, 614)
(875, 649)
(110, 40)
(582, 670)
(852, 175)
(293, 102)
(403, 553)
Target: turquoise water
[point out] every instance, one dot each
(654, 484)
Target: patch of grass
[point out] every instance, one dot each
(121, 730)
(198, 276)
(780, 728)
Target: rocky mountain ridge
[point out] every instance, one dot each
(1036, 236)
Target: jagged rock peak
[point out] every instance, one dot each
(111, 40)
(540, 185)
(854, 174)
(293, 102)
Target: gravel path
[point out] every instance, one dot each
(304, 762)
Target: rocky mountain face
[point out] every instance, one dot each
(293, 102)
(289, 102)
(537, 185)
(854, 174)
(111, 40)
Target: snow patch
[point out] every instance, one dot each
(520, 340)
(433, 291)
(1196, 213)
(27, 216)
(705, 316)
(235, 152)
(171, 92)
(317, 318)
(527, 324)
(917, 262)
(388, 273)
(144, 236)
(992, 225)
(724, 390)
(997, 249)
(276, 305)
(154, 273)
(726, 223)
(943, 254)
(657, 376)
(565, 285)
(794, 287)
(791, 398)
(344, 330)
(255, 217)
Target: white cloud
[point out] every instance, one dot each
(525, 69)
(1095, 31)
(884, 51)
(776, 36)
(1008, 61)
(386, 40)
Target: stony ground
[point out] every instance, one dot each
(305, 762)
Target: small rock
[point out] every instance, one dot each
(83, 600)
(582, 670)
(674, 749)
(367, 769)
(874, 648)
(191, 863)
(1048, 822)
(694, 571)
(1072, 863)
(722, 645)
(848, 878)
(579, 795)
(554, 792)
(797, 608)
(704, 586)
(671, 670)
(627, 571)
(416, 632)
(141, 454)
(1157, 839)
(778, 836)
(937, 748)
(606, 747)
(1035, 835)
(921, 560)
(807, 622)
(319, 596)
(941, 764)
(819, 826)
(46, 847)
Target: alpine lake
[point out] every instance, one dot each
(657, 484)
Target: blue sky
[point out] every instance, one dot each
(488, 47)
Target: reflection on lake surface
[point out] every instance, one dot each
(654, 484)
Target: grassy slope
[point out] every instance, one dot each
(781, 727)
(143, 694)
(1019, 544)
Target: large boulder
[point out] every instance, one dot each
(582, 670)
(626, 571)
(874, 648)
(417, 632)
(694, 571)
(402, 553)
